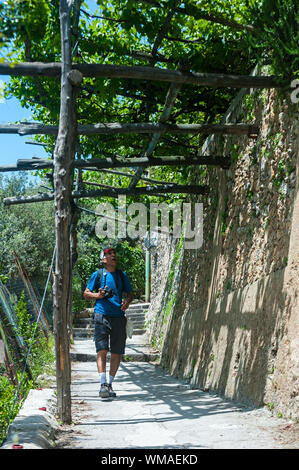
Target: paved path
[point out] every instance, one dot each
(154, 410)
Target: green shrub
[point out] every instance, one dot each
(11, 400)
(39, 354)
(276, 40)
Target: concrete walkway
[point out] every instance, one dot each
(152, 410)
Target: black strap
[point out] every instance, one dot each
(99, 278)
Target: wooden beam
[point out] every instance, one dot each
(28, 164)
(41, 197)
(98, 164)
(118, 162)
(7, 168)
(31, 69)
(113, 128)
(136, 72)
(112, 192)
(168, 105)
(28, 128)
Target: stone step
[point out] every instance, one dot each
(89, 332)
(137, 319)
(134, 315)
(88, 323)
(129, 313)
(138, 322)
(143, 305)
(136, 309)
(82, 322)
(139, 331)
(130, 357)
(83, 332)
(137, 349)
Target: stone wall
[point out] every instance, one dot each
(232, 325)
(165, 274)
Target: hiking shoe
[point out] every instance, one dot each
(104, 391)
(111, 392)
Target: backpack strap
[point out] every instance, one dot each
(99, 278)
(122, 276)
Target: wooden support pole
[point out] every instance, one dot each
(113, 128)
(117, 162)
(64, 154)
(10, 168)
(112, 192)
(136, 72)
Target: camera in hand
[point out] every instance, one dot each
(108, 293)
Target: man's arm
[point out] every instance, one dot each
(88, 295)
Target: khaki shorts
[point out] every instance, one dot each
(110, 334)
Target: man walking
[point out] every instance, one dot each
(105, 287)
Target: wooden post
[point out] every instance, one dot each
(63, 158)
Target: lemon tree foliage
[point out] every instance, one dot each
(218, 36)
(203, 36)
(276, 38)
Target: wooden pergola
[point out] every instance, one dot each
(64, 159)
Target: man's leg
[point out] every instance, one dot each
(114, 363)
(117, 342)
(101, 365)
(101, 361)
(102, 346)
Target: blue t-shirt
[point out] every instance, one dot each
(110, 307)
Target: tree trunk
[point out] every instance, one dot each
(63, 158)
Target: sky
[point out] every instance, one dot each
(13, 146)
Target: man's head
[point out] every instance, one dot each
(109, 257)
